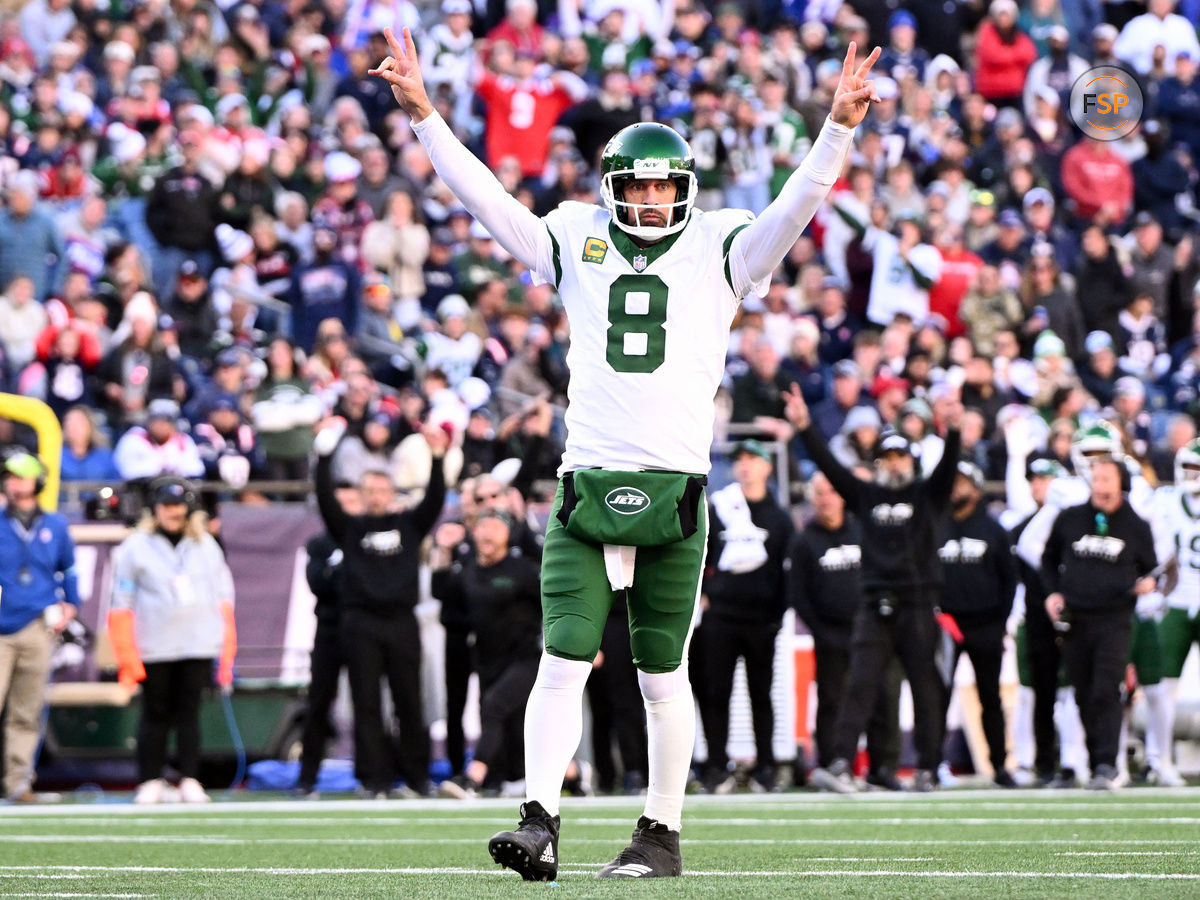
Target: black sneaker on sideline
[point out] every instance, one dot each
(837, 778)
(531, 850)
(924, 781)
(884, 777)
(1064, 779)
(1003, 778)
(460, 787)
(653, 853)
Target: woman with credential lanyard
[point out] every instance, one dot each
(171, 619)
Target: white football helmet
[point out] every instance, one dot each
(1187, 467)
(1100, 440)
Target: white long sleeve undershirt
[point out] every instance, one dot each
(764, 244)
(514, 227)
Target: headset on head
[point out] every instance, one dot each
(186, 491)
(15, 456)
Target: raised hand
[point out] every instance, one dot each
(854, 94)
(437, 438)
(795, 408)
(403, 72)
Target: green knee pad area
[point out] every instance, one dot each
(1145, 651)
(576, 596)
(1176, 633)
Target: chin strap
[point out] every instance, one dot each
(121, 635)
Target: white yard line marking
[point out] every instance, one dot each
(223, 841)
(765, 873)
(1130, 852)
(118, 805)
(824, 821)
(41, 894)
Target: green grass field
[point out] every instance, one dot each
(1142, 843)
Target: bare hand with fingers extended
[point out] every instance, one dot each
(795, 408)
(403, 72)
(854, 94)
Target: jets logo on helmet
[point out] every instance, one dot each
(1101, 440)
(1187, 467)
(647, 150)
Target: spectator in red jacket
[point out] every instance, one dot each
(1098, 181)
(1003, 54)
(960, 267)
(519, 28)
(521, 110)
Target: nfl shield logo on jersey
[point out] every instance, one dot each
(639, 263)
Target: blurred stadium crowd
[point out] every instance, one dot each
(214, 207)
(218, 231)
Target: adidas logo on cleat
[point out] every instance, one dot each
(547, 855)
(632, 870)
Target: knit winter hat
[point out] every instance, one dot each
(234, 244)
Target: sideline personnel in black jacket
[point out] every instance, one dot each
(825, 589)
(902, 578)
(380, 560)
(981, 579)
(1097, 560)
(325, 667)
(743, 600)
(497, 592)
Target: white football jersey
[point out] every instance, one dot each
(1176, 526)
(649, 331)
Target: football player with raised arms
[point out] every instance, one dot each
(650, 286)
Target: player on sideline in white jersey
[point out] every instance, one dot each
(650, 286)
(1176, 527)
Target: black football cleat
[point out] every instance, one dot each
(653, 853)
(531, 850)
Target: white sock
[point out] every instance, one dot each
(1072, 747)
(1123, 747)
(1170, 688)
(671, 731)
(1024, 747)
(553, 727)
(1159, 715)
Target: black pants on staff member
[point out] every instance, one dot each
(458, 676)
(1096, 651)
(502, 704)
(325, 669)
(983, 642)
(379, 647)
(1044, 656)
(724, 640)
(617, 709)
(901, 624)
(171, 695)
(831, 651)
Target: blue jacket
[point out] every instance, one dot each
(31, 246)
(49, 555)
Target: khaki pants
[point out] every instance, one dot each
(24, 668)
